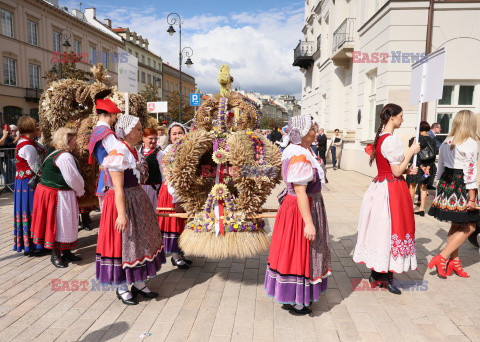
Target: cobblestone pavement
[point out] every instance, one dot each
(225, 300)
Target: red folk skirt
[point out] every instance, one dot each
(171, 227)
(44, 219)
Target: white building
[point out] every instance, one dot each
(356, 57)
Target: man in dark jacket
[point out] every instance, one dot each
(322, 145)
(275, 135)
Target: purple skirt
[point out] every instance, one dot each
(291, 289)
(110, 270)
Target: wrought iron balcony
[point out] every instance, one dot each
(303, 54)
(33, 94)
(343, 39)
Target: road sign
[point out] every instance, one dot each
(157, 107)
(194, 99)
(127, 70)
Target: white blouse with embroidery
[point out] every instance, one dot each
(300, 169)
(463, 156)
(392, 149)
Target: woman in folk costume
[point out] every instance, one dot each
(172, 227)
(103, 140)
(153, 156)
(129, 246)
(456, 196)
(386, 227)
(55, 207)
(28, 161)
(299, 259)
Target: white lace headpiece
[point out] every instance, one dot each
(298, 127)
(125, 124)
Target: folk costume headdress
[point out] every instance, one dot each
(107, 105)
(174, 124)
(298, 127)
(125, 125)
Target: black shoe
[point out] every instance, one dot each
(29, 254)
(181, 266)
(57, 259)
(421, 213)
(391, 287)
(131, 301)
(187, 261)
(149, 295)
(287, 307)
(473, 238)
(39, 252)
(304, 311)
(68, 255)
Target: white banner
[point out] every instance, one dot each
(127, 70)
(157, 107)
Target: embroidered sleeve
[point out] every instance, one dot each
(69, 170)
(299, 170)
(470, 151)
(30, 154)
(117, 160)
(393, 150)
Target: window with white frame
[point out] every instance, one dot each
(149, 79)
(148, 61)
(455, 97)
(154, 64)
(56, 41)
(9, 71)
(105, 59)
(34, 75)
(143, 59)
(7, 23)
(77, 47)
(143, 77)
(92, 55)
(32, 29)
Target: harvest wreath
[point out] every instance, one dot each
(223, 173)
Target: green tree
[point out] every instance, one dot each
(65, 66)
(269, 123)
(151, 93)
(188, 112)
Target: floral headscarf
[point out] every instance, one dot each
(298, 127)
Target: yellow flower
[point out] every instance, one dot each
(219, 156)
(220, 191)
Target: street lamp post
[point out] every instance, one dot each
(64, 34)
(175, 19)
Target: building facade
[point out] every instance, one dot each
(171, 84)
(150, 65)
(356, 57)
(32, 34)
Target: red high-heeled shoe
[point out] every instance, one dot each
(440, 262)
(456, 265)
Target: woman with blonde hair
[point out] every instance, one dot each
(55, 207)
(456, 196)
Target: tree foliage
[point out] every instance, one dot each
(188, 112)
(67, 64)
(151, 93)
(269, 123)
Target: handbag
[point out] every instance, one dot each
(428, 153)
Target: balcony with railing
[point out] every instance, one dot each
(343, 38)
(33, 94)
(303, 54)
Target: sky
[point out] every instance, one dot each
(255, 38)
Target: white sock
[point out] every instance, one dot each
(178, 258)
(124, 293)
(142, 286)
(298, 307)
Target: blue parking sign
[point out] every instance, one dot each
(194, 99)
